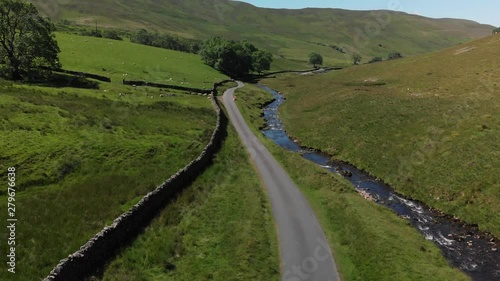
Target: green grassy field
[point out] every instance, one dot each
(124, 60)
(427, 125)
(369, 242)
(82, 160)
(289, 34)
(220, 228)
(84, 156)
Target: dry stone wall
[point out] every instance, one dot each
(175, 87)
(100, 249)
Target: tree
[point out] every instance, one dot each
(394, 55)
(27, 41)
(234, 58)
(496, 30)
(262, 60)
(356, 58)
(315, 58)
(211, 50)
(194, 47)
(112, 34)
(142, 37)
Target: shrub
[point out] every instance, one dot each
(376, 59)
(111, 34)
(394, 55)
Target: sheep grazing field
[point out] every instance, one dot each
(124, 60)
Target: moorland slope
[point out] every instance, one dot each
(289, 34)
(428, 125)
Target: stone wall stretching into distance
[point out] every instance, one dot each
(164, 86)
(86, 75)
(92, 257)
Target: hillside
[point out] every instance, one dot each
(428, 125)
(290, 34)
(125, 60)
(84, 156)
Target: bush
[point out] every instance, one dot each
(337, 48)
(376, 59)
(93, 33)
(394, 55)
(111, 34)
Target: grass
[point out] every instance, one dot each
(291, 35)
(83, 156)
(124, 60)
(82, 160)
(369, 242)
(427, 125)
(224, 87)
(220, 228)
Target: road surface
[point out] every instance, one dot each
(304, 250)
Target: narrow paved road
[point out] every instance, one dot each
(305, 254)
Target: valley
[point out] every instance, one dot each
(129, 142)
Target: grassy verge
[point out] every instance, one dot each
(426, 125)
(225, 87)
(369, 242)
(85, 156)
(220, 228)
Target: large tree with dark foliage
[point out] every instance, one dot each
(234, 58)
(27, 41)
(262, 60)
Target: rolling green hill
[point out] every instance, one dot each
(124, 60)
(428, 125)
(290, 34)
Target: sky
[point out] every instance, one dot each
(482, 11)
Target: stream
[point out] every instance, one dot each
(464, 246)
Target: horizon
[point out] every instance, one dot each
(483, 11)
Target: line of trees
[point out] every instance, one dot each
(234, 58)
(165, 41)
(27, 41)
(107, 33)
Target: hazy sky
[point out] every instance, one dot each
(483, 11)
